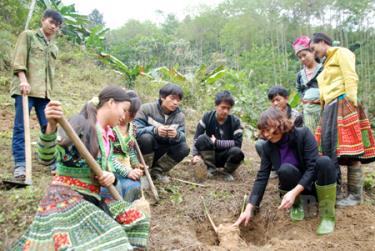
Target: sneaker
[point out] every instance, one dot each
(19, 172)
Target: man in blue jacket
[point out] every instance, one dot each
(161, 132)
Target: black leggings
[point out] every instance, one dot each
(290, 175)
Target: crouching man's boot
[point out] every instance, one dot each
(162, 167)
(327, 198)
(229, 169)
(209, 160)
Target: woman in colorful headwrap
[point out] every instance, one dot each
(128, 185)
(345, 133)
(72, 215)
(307, 84)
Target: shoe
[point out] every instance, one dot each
(297, 212)
(228, 177)
(161, 178)
(355, 188)
(326, 198)
(211, 172)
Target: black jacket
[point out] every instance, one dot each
(230, 130)
(303, 143)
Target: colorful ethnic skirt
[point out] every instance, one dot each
(66, 221)
(345, 132)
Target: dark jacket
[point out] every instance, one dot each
(230, 130)
(151, 115)
(303, 143)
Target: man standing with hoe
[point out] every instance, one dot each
(33, 69)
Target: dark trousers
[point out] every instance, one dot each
(18, 141)
(290, 175)
(233, 155)
(149, 144)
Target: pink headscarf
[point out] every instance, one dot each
(301, 43)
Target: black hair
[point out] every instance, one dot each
(171, 89)
(277, 90)
(135, 102)
(320, 36)
(224, 96)
(84, 124)
(56, 16)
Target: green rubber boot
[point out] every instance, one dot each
(296, 212)
(327, 198)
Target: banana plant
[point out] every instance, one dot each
(118, 66)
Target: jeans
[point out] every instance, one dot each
(129, 189)
(18, 141)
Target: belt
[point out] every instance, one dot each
(311, 102)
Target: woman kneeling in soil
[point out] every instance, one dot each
(293, 152)
(128, 177)
(72, 215)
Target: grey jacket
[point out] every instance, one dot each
(151, 115)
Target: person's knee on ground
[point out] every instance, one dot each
(235, 158)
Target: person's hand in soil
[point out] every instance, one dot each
(196, 159)
(289, 198)
(135, 174)
(53, 112)
(106, 179)
(245, 216)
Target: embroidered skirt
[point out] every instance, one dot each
(345, 132)
(66, 221)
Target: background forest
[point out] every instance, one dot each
(240, 45)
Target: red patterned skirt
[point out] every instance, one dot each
(345, 131)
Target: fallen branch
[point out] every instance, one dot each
(208, 215)
(189, 182)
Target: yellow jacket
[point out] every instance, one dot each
(338, 76)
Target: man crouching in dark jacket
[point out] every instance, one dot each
(218, 138)
(161, 132)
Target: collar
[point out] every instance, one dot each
(223, 121)
(41, 34)
(330, 52)
(107, 132)
(315, 73)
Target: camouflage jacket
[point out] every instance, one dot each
(36, 57)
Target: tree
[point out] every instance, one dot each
(95, 19)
